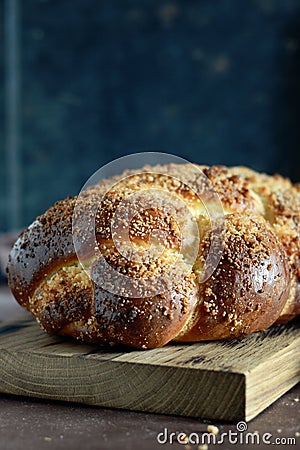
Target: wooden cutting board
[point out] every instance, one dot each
(228, 380)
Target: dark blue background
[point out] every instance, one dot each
(211, 81)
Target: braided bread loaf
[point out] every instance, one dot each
(254, 282)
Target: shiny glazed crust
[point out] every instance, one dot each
(254, 285)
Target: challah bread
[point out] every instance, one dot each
(254, 284)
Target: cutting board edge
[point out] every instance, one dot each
(173, 407)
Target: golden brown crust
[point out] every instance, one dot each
(46, 245)
(255, 284)
(250, 286)
(144, 322)
(64, 297)
(292, 307)
(233, 190)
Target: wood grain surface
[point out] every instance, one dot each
(226, 380)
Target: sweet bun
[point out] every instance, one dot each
(163, 279)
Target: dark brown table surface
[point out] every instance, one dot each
(27, 423)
